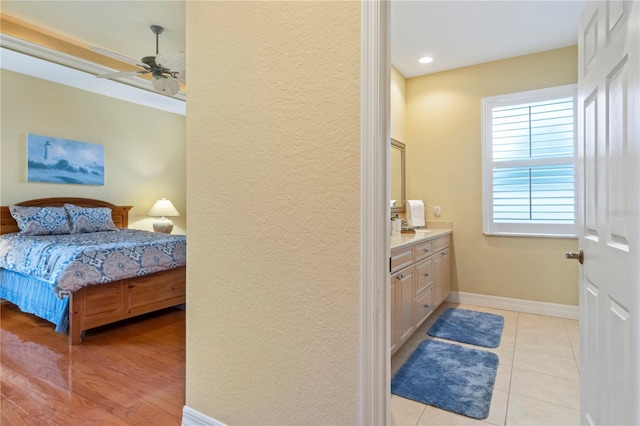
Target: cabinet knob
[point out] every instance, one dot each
(426, 275)
(426, 250)
(426, 306)
(444, 253)
(400, 276)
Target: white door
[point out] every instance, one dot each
(609, 145)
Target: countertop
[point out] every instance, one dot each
(399, 240)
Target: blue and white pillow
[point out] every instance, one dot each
(41, 220)
(84, 219)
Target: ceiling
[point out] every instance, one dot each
(119, 26)
(455, 33)
(463, 33)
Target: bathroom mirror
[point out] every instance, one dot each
(397, 176)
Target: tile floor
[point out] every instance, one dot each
(537, 381)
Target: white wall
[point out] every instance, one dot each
(144, 147)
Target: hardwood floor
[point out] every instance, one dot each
(130, 373)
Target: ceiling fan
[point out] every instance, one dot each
(167, 69)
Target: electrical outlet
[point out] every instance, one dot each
(436, 211)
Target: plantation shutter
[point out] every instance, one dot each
(530, 149)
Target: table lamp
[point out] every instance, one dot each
(163, 208)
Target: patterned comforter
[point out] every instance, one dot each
(71, 261)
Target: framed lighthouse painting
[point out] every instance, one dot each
(57, 160)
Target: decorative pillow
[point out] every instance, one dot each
(85, 219)
(41, 220)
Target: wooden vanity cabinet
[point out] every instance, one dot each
(419, 282)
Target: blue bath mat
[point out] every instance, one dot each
(475, 328)
(448, 376)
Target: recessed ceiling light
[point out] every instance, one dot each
(425, 60)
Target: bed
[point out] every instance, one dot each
(90, 306)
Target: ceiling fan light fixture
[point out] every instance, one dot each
(166, 85)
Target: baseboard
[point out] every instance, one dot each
(518, 305)
(191, 417)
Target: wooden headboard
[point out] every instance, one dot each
(120, 214)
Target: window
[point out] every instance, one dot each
(529, 161)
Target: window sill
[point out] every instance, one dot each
(514, 234)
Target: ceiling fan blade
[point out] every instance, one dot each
(122, 74)
(172, 60)
(114, 55)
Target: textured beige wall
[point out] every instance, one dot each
(273, 188)
(444, 168)
(398, 105)
(144, 147)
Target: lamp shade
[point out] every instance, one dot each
(163, 208)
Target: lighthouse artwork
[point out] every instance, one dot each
(57, 160)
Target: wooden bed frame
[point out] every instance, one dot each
(96, 305)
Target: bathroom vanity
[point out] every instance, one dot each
(420, 266)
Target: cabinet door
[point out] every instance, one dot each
(395, 308)
(405, 281)
(442, 275)
(445, 259)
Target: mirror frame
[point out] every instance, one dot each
(399, 145)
